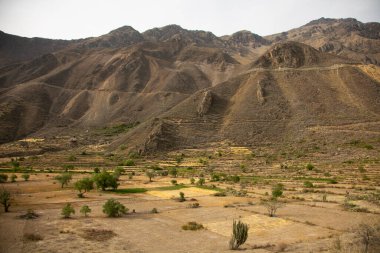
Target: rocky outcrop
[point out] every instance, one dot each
(260, 93)
(162, 137)
(205, 104)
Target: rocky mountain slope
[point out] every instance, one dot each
(189, 88)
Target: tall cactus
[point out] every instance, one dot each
(239, 234)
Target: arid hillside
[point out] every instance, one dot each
(176, 88)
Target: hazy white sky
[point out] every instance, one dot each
(73, 19)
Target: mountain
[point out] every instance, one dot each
(182, 88)
(345, 37)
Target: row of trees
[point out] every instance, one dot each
(112, 208)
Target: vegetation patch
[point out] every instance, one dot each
(192, 225)
(169, 188)
(117, 129)
(130, 190)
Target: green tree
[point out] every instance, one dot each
(105, 180)
(25, 176)
(5, 198)
(277, 190)
(114, 208)
(85, 210)
(67, 210)
(150, 174)
(239, 234)
(63, 179)
(84, 185)
(173, 172)
(192, 180)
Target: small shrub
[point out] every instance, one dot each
(25, 176)
(174, 182)
(129, 162)
(220, 194)
(361, 169)
(5, 198)
(192, 180)
(181, 197)
(193, 205)
(309, 166)
(332, 181)
(154, 210)
(113, 208)
(85, 210)
(29, 215)
(192, 225)
(3, 178)
(72, 158)
(96, 170)
(308, 184)
(67, 210)
(13, 178)
(201, 181)
(32, 237)
(130, 176)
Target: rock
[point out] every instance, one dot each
(205, 103)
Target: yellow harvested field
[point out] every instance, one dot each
(240, 151)
(372, 70)
(33, 140)
(258, 224)
(189, 192)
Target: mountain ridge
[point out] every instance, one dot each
(190, 88)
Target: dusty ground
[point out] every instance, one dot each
(305, 224)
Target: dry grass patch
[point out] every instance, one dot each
(32, 237)
(99, 235)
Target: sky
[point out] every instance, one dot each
(74, 19)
